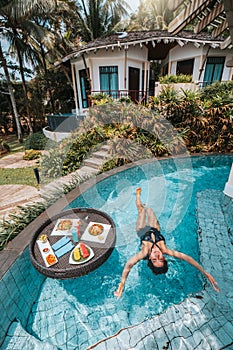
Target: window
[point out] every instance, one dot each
(185, 67)
(213, 70)
(109, 80)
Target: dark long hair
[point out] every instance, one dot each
(158, 270)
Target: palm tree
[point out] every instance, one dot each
(12, 13)
(96, 18)
(20, 39)
(20, 8)
(151, 14)
(11, 93)
(57, 27)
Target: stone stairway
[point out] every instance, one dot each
(89, 168)
(97, 158)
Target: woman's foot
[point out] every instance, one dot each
(138, 191)
(139, 205)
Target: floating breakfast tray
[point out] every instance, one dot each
(63, 245)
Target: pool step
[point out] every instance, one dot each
(18, 338)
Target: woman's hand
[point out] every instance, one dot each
(212, 281)
(119, 291)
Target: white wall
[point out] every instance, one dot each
(189, 51)
(186, 52)
(133, 57)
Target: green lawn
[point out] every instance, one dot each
(19, 176)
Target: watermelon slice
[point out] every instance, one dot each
(84, 251)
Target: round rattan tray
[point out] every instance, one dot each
(63, 269)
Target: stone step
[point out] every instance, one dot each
(93, 162)
(98, 158)
(105, 147)
(102, 154)
(86, 171)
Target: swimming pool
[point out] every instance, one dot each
(84, 310)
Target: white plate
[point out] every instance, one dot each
(46, 250)
(72, 261)
(58, 232)
(99, 238)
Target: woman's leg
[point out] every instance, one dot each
(152, 219)
(141, 220)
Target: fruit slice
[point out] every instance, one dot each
(84, 251)
(76, 254)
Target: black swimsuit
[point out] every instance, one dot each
(145, 234)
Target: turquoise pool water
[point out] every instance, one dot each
(74, 314)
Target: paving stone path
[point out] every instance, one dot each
(14, 195)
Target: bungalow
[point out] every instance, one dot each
(119, 65)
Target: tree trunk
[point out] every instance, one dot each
(12, 96)
(24, 89)
(48, 83)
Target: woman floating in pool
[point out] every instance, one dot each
(154, 247)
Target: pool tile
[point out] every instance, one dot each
(161, 338)
(124, 336)
(102, 346)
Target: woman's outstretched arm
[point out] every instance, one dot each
(128, 266)
(192, 262)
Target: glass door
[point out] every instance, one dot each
(213, 70)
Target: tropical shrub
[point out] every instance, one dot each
(36, 141)
(51, 164)
(111, 164)
(217, 89)
(207, 123)
(125, 99)
(133, 132)
(171, 79)
(173, 124)
(68, 155)
(100, 99)
(31, 154)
